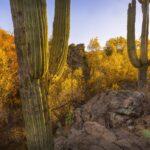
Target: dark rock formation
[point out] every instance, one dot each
(107, 122)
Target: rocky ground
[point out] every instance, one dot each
(114, 120)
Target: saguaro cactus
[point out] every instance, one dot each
(142, 61)
(31, 38)
(61, 28)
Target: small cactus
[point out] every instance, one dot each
(142, 61)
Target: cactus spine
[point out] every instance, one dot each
(61, 28)
(31, 38)
(141, 62)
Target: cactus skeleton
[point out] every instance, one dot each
(35, 59)
(142, 61)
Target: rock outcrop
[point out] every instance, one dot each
(107, 122)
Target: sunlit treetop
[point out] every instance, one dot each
(94, 44)
(6, 41)
(143, 1)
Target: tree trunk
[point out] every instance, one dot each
(142, 77)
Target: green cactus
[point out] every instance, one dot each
(141, 62)
(61, 28)
(34, 59)
(31, 38)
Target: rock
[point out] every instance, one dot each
(117, 120)
(125, 144)
(83, 142)
(127, 103)
(99, 131)
(107, 122)
(109, 145)
(76, 56)
(88, 142)
(78, 118)
(74, 133)
(121, 133)
(146, 120)
(113, 108)
(131, 128)
(60, 143)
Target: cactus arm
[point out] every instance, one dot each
(61, 29)
(145, 32)
(131, 35)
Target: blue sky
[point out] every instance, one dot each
(89, 18)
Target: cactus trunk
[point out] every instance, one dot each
(142, 76)
(141, 62)
(37, 123)
(30, 29)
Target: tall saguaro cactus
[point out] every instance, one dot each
(34, 58)
(31, 38)
(142, 61)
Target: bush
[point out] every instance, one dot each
(109, 72)
(65, 93)
(10, 105)
(8, 67)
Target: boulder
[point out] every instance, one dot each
(113, 108)
(99, 131)
(106, 122)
